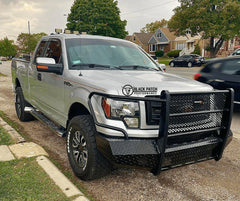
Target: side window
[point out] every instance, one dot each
(54, 51)
(40, 50)
(214, 67)
(231, 67)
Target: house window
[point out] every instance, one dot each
(188, 32)
(161, 47)
(181, 46)
(152, 48)
(134, 38)
(159, 35)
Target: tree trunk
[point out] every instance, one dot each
(214, 49)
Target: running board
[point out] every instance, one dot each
(56, 129)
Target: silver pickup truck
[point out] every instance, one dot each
(116, 106)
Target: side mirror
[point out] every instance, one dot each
(162, 66)
(45, 60)
(45, 64)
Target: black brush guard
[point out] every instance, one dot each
(188, 133)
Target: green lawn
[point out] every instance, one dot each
(164, 61)
(5, 138)
(25, 180)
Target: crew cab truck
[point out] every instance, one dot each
(115, 106)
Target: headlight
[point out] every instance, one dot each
(122, 110)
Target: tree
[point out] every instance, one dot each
(98, 17)
(218, 20)
(7, 48)
(153, 26)
(27, 42)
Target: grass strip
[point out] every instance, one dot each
(5, 138)
(164, 61)
(14, 125)
(25, 180)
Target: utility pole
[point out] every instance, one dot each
(29, 27)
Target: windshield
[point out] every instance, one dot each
(104, 54)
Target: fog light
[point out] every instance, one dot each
(131, 122)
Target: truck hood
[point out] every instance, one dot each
(113, 81)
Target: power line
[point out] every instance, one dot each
(148, 8)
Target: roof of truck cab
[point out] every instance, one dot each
(69, 36)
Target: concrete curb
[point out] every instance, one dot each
(25, 149)
(14, 134)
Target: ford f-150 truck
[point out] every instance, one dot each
(116, 106)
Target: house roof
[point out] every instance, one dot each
(143, 37)
(168, 34)
(128, 37)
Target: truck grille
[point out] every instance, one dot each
(181, 119)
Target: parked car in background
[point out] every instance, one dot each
(222, 74)
(187, 60)
(235, 53)
(3, 58)
(162, 66)
(0, 62)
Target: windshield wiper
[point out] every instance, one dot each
(137, 67)
(90, 65)
(94, 65)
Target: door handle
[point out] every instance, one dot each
(39, 76)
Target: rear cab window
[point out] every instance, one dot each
(231, 67)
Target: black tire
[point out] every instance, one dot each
(172, 64)
(20, 104)
(190, 64)
(86, 161)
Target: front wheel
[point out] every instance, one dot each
(86, 161)
(189, 64)
(172, 64)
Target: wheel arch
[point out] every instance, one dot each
(75, 110)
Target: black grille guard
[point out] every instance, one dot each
(165, 99)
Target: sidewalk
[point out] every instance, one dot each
(24, 149)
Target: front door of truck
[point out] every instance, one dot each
(50, 88)
(34, 84)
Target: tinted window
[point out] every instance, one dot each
(54, 51)
(40, 49)
(212, 67)
(231, 67)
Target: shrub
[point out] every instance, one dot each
(196, 50)
(159, 53)
(174, 53)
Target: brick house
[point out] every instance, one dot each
(141, 39)
(162, 39)
(167, 41)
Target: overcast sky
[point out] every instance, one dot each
(46, 15)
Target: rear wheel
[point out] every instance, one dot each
(20, 104)
(86, 161)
